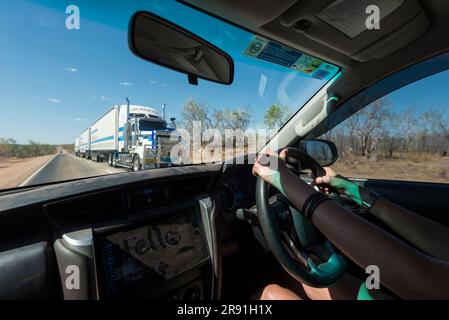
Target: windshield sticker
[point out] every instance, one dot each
(277, 53)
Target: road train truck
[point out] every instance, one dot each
(84, 144)
(131, 136)
(76, 147)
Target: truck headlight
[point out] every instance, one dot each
(150, 152)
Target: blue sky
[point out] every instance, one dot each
(55, 82)
(426, 94)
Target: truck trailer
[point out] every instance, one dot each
(131, 136)
(76, 148)
(84, 144)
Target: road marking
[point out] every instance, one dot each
(37, 171)
(108, 171)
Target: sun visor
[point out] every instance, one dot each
(349, 16)
(341, 25)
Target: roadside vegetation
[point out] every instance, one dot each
(9, 148)
(201, 116)
(226, 118)
(209, 118)
(403, 144)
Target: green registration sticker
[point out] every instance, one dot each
(264, 49)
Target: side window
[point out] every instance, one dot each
(402, 136)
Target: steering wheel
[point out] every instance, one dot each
(299, 247)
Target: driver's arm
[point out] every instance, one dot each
(427, 235)
(406, 271)
(403, 269)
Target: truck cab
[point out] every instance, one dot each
(150, 139)
(131, 137)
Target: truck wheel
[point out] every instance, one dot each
(114, 160)
(136, 163)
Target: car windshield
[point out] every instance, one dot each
(72, 91)
(151, 125)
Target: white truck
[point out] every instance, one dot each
(131, 136)
(84, 144)
(76, 148)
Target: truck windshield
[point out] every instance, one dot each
(150, 125)
(67, 74)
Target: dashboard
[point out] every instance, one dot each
(157, 234)
(133, 260)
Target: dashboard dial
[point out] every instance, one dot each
(228, 198)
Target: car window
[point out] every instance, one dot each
(68, 79)
(401, 136)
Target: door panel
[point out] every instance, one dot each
(26, 273)
(428, 199)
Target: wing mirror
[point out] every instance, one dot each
(162, 42)
(324, 152)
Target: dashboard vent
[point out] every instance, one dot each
(84, 210)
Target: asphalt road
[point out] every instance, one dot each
(66, 166)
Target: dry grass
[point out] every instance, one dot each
(14, 171)
(410, 167)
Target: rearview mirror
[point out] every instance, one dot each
(324, 152)
(160, 41)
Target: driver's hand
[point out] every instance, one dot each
(325, 182)
(270, 166)
(333, 182)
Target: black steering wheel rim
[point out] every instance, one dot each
(316, 276)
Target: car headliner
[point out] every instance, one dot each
(264, 18)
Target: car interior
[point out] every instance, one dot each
(192, 232)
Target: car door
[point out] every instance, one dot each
(398, 145)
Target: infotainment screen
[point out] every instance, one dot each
(130, 258)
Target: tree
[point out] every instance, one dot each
(404, 132)
(220, 119)
(8, 147)
(406, 125)
(232, 119)
(390, 140)
(276, 116)
(339, 137)
(365, 126)
(193, 111)
(397, 131)
(435, 131)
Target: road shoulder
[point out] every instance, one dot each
(16, 172)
